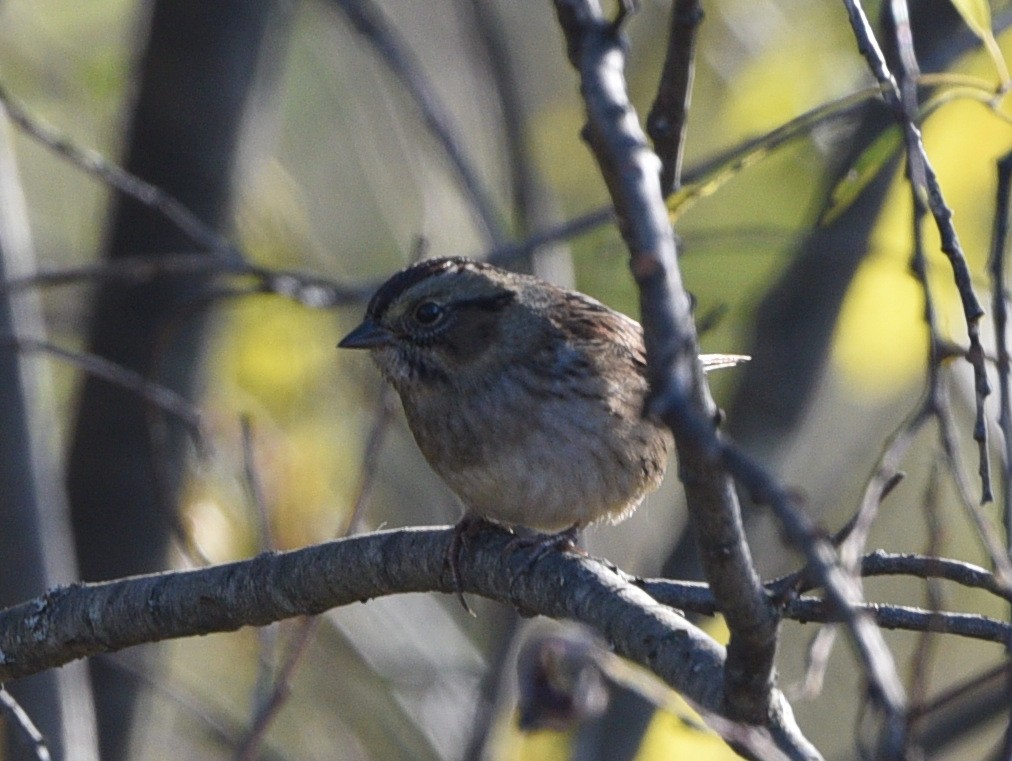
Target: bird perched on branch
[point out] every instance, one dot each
(526, 398)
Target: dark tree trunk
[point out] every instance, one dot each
(194, 81)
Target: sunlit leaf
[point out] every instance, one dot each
(977, 16)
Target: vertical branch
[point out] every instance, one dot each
(682, 400)
(667, 122)
(937, 404)
(303, 635)
(926, 184)
(631, 172)
(1000, 243)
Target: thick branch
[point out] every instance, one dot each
(87, 619)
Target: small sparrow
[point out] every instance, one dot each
(526, 398)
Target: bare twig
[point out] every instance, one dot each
(853, 543)
(23, 722)
(368, 20)
(160, 396)
(97, 165)
(970, 625)
(509, 254)
(698, 598)
(489, 29)
(882, 563)
(920, 659)
(251, 743)
(267, 685)
(370, 459)
(309, 290)
(816, 662)
(668, 119)
(925, 182)
(254, 486)
(960, 692)
(217, 725)
(305, 632)
(1001, 241)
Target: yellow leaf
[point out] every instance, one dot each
(977, 15)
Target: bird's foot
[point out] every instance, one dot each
(563, 541)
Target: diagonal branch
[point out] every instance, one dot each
(682, 399)
(119, 178)
(631, 171)
(369, 20)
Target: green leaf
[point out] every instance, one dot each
(864, 170)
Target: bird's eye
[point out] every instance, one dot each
(428, 313)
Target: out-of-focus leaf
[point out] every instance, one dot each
(976, 14)
(884, 147)
(867, 166)
(706, 180)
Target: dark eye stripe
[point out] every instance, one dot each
(494, 303)
(399, 283)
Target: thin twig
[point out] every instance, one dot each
(697, 596)
(853, 544)
(925, 182)
(129, 184)
(816, 662)
(267, 711)
(960, 692)
(510, 254)
(699, 599)
(985, 528)
(20, 719)
(254, 486)
(920, 659)
(308, 290)
(499, 50)
(162, 397)
(667, 122)
(907, 618)
(369, 20)
(1001, 241)
(216, 724)
(266, 686)
(305, 632)
(370, 459)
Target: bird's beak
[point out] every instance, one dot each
(368, 335)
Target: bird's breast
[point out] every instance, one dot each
(538, 451)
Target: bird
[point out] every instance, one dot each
(527, 399)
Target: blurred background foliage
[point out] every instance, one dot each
(337, 176)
